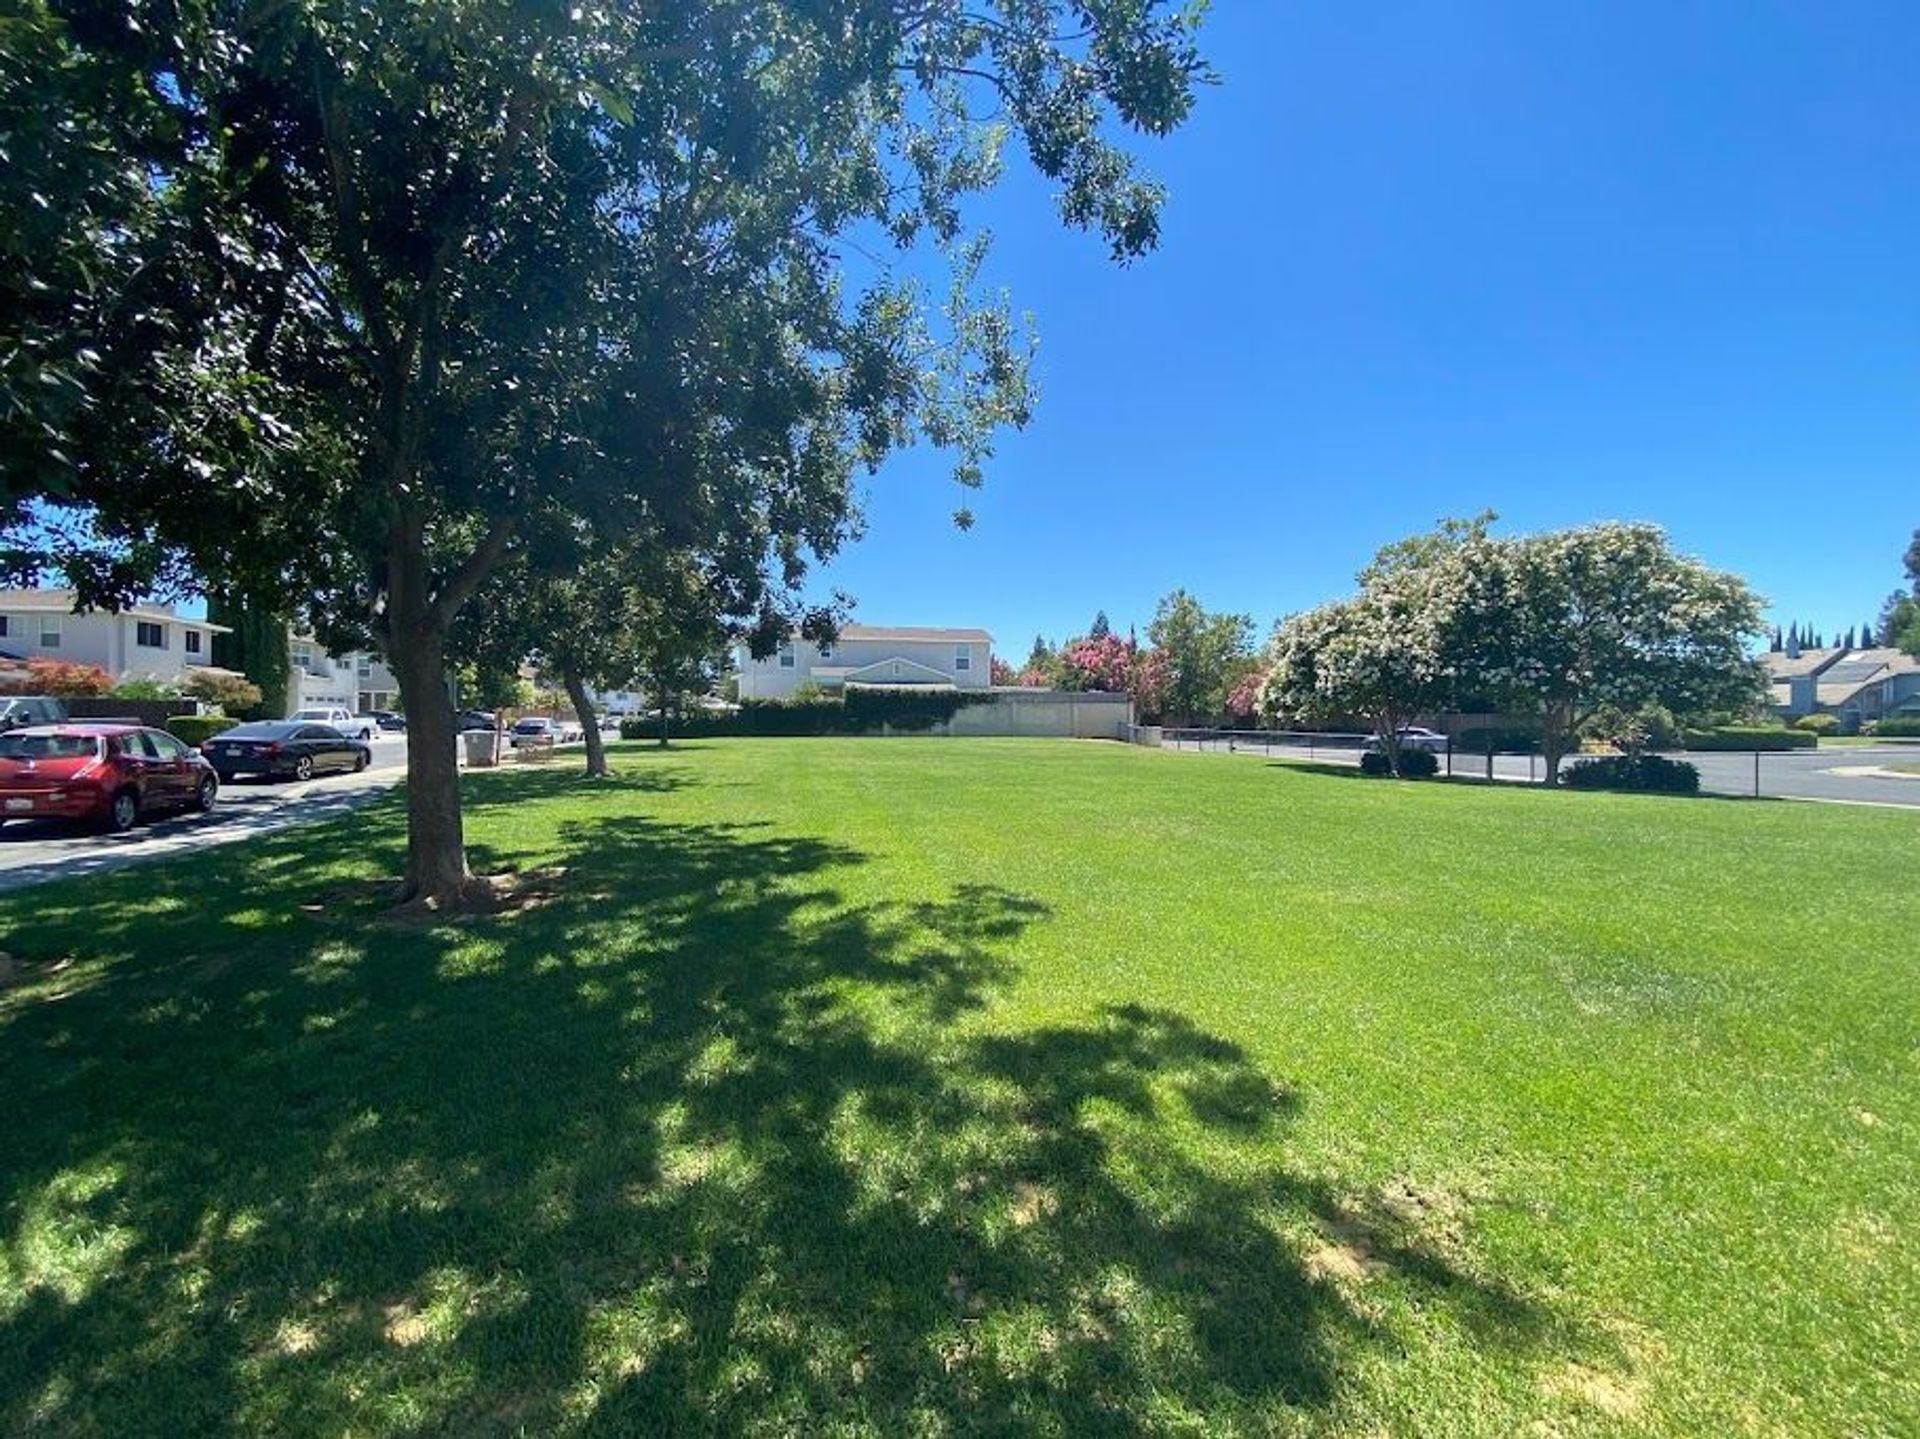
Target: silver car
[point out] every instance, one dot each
(1413, 737)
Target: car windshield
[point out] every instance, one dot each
(532, 726)
(49, 746)
(260, 729)
(311, 714)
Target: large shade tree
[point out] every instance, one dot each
(353, 294)
(1203, 655)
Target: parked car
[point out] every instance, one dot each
(106, 774)
(1412, 737)
(285, 749)
(360, 727)
(389, 722)
(464, 720)
(534, 729)
(19, 711)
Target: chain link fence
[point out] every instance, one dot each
(1872, 774)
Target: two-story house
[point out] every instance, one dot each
(871, 655)
(358, 681)
(147, 639)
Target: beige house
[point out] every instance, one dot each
(147, 639)
(871, 655)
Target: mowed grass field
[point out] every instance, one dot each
(933, 1086)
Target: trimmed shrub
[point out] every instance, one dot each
(1414, 763)
(233, 693)
(1817, 724)
(63, 678)
(864, 711)
(1645, 773)
(1748, 737)
(1898, 727)
(198, 729)
(906, 709)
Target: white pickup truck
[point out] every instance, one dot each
(360, 727)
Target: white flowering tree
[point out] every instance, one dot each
(1610, 615)
(1381, 657)
(1557, 626)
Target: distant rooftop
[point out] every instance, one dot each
(1783, 666)
(62, 602)
(912, 632)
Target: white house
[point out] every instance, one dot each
(357, 681)
(871, 655)
(147, 639)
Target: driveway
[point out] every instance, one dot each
(32, 852)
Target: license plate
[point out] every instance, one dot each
(17, 806)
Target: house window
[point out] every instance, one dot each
(303, 655)
(49, 632)
(193, 642)
(366, 667)
(3, 627)
(962, 658)
(826, 651)
(786, 657)
(150, 636)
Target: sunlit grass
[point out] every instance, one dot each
(922, 1086)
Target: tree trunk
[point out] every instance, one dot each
(589, 723)
(663, 720)
(1553, 744)
(437, 873)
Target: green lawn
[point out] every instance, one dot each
(936, 1086)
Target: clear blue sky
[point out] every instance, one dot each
(1565, 261)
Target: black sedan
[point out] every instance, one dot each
(284, 749)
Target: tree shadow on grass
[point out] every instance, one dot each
(697, 1144)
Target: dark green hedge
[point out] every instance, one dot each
(1748, 737)
(198, 729)
(864, 711)
(1647, 773)
(1897, 727)
(1414, 763)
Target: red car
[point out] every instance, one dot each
(110, 774)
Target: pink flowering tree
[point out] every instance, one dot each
(1243, 700)
(1105, 663)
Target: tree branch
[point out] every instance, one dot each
(463, 581)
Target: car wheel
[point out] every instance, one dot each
(303, 767)
(360, 762)
(124, 811)
(206, 794)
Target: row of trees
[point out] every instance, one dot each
(367, 306)
(1196, 663)
(1898, 624)
(1555, 626)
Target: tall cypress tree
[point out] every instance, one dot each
(255, 646)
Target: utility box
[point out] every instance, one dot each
(482, 748)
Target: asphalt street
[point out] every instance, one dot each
(1818, 774)
(32, 851)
